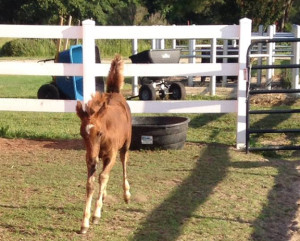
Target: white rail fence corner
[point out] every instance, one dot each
(88, 32)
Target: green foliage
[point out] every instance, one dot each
(286, 79)
(28, 48)
(20, 86)
(110, 47)
(146, 12)
(4, 130)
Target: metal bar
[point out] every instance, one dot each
(274, 148)
(258, 112)
(274, 91)
(274, 40)
(283, 66)
(256, 131)
(249, 92)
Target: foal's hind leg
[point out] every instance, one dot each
(124, 158)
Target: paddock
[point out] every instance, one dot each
(203, 192)
(88, 32)
(207, 191)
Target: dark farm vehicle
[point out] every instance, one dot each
(164, 86)
(69, 87)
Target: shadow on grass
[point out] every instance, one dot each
(277, 219)
(202, 120)
(271, 121)
(167, 221)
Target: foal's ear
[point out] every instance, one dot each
(81, 114)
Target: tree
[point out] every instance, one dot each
(263, 12)
(138, 12)
(9, 10)
(267, 12)
(181, 11)
(49, 11)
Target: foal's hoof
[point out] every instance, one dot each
(127, 197)
(83, 230)
(96, 220)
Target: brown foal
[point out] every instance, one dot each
(105, 129)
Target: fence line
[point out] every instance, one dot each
(88, 32)
(192, 51)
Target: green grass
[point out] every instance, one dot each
(203, 192)
(38, 125)
(206, 191)
(16, 86)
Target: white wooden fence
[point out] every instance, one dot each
(88, 32)
(270, 52)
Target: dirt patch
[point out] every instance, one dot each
(268, 100)
(24, 145)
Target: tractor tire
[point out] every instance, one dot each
(147, 92)
(48, 91)
(177, 91)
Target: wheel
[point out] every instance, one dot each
(177, 91)
(162, 94)
(48, 91)
(145, 81)
(147, 92)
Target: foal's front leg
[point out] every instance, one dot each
(89, 196)
(108, 163)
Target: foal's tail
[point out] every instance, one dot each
(115, 79)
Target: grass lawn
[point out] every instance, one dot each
(16, 86)
(206, 191)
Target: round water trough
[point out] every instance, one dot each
(159, 132)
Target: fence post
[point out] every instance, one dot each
(213, 59)
(270, 49)
(153, 44)
(260, 50)
(174, 43)
(245, 40)
(296, 58)
(192, 60)
(159, 44)
(225, 60)
(135, 78)
(88, 59)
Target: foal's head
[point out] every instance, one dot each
(92, 129)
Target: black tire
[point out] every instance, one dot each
(177, 91)
(147, 92)
(48, 91)
(145, 81)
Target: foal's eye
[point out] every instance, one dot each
(99, 133)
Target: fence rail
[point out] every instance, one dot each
(88, 32)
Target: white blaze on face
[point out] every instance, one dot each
(88, 128)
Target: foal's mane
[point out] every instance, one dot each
(98, 101)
